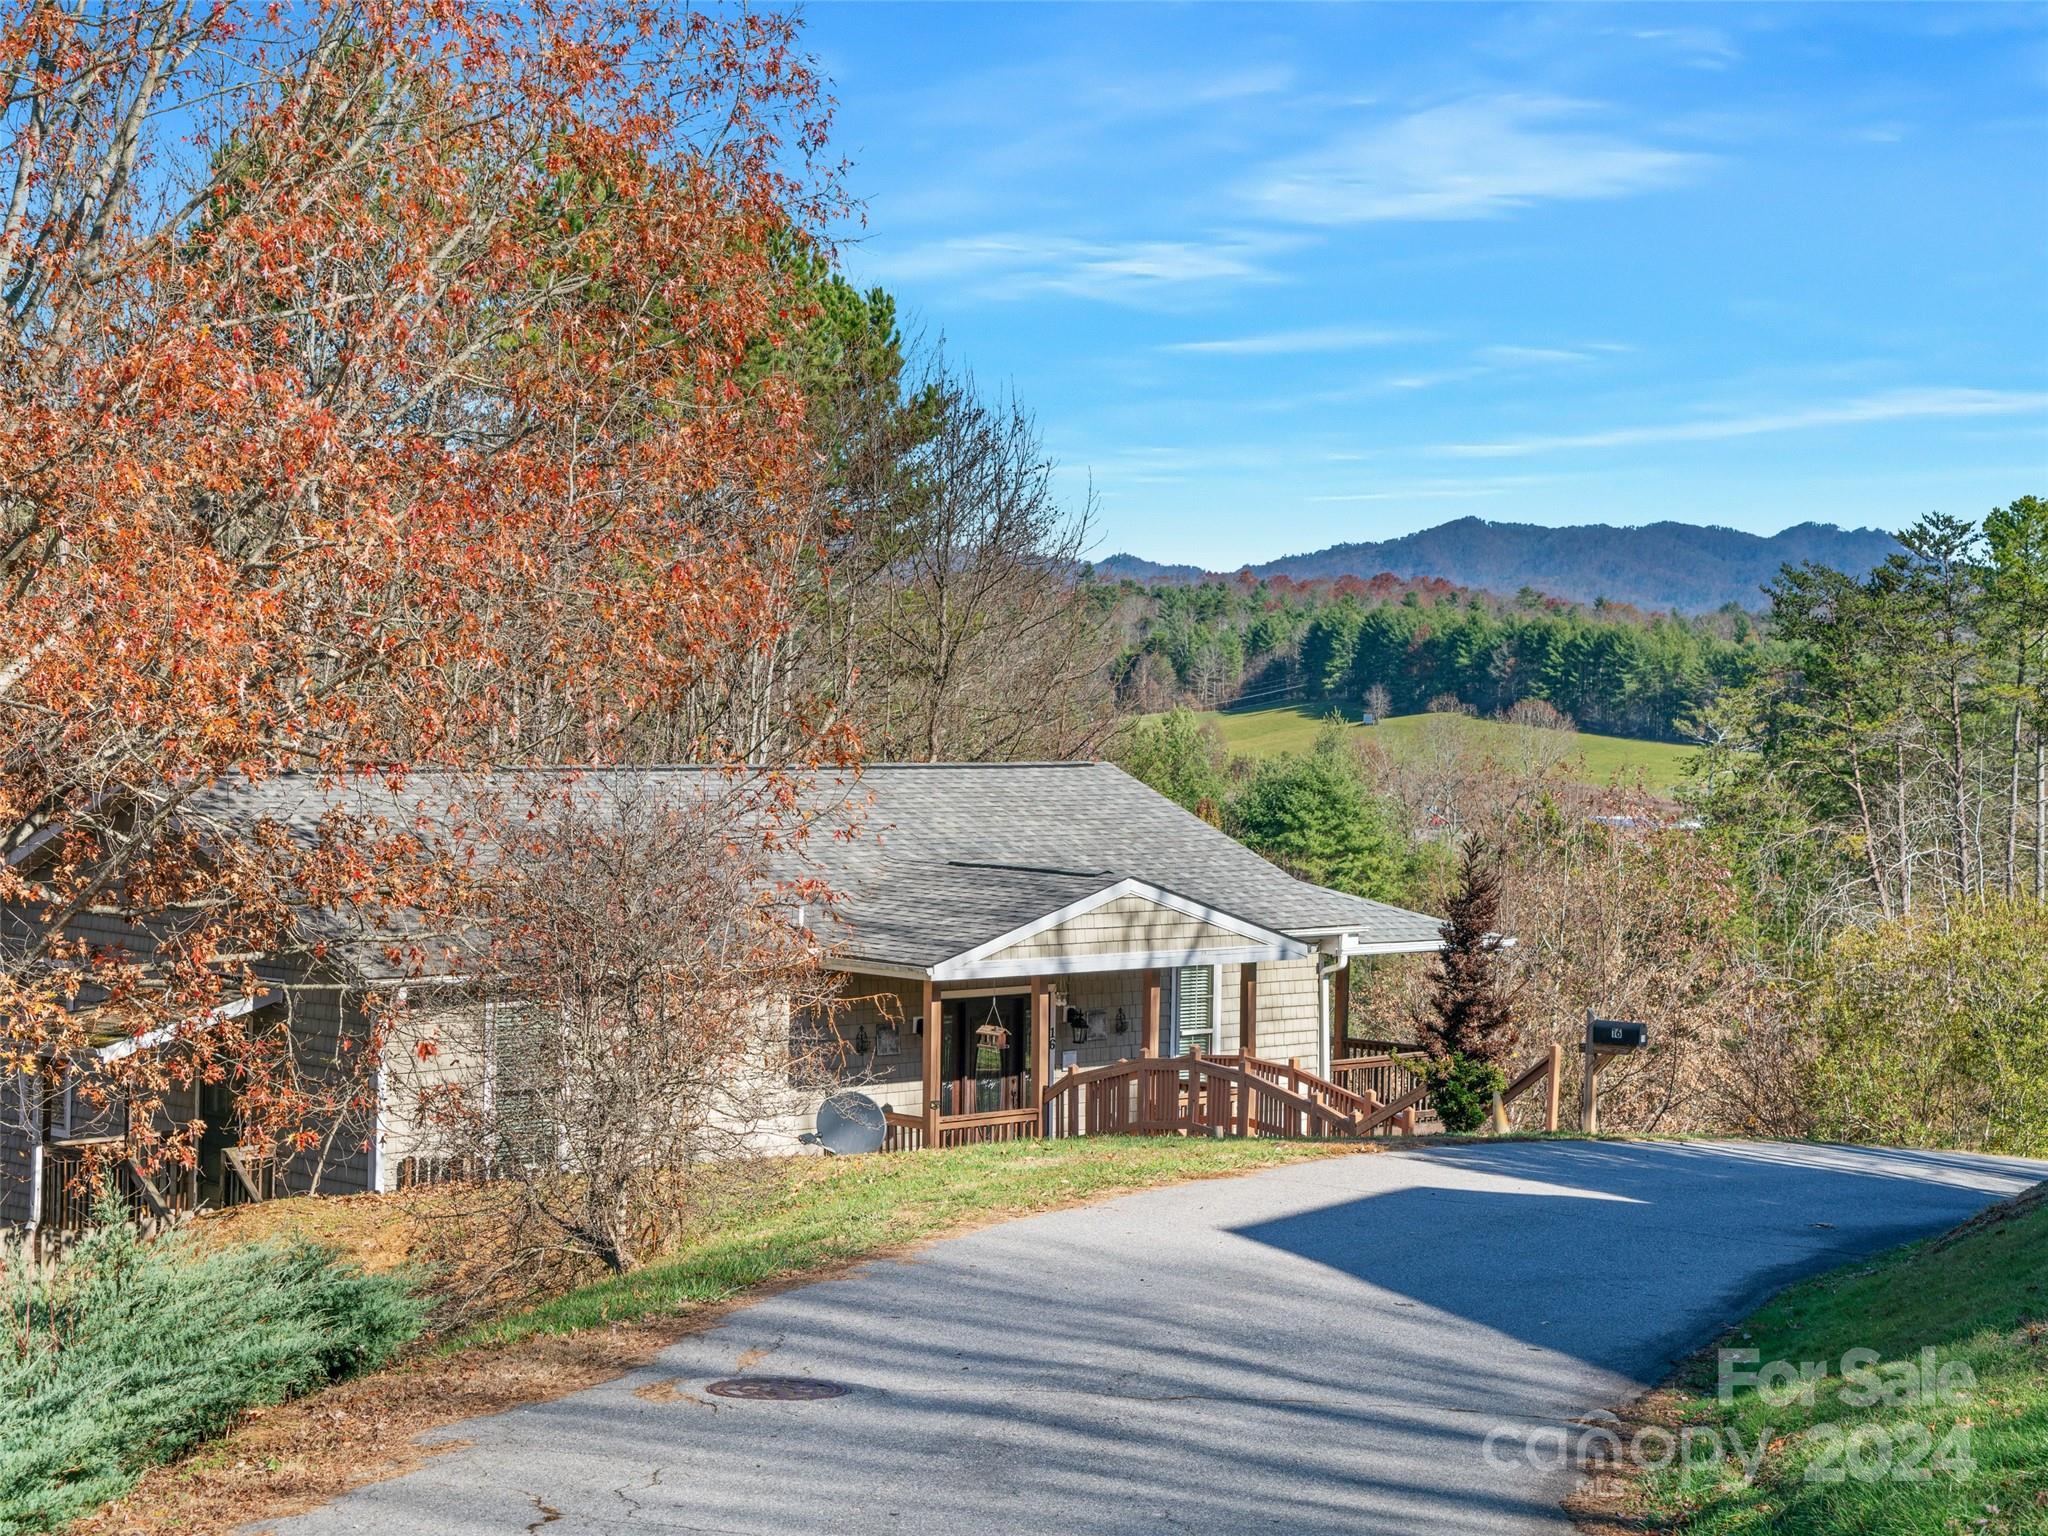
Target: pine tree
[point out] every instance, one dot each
(1470, 996)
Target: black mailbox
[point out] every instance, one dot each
(1616, 1035)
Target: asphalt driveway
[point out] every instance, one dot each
(1317, 1348)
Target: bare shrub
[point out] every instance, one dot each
(622, 1048)
(1627, 915)
(1539, 714)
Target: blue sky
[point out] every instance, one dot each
(1274, 277)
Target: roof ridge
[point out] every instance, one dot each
(1029, 869)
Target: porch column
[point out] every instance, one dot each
(1149, 1040)
(1340, 1009)
(932, 1087)
(1041, 1044)
(1248, 1008)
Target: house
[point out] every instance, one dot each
(997, 927)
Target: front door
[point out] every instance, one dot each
(982, 1053)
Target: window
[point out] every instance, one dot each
(520, 1040)
(1194, 1010)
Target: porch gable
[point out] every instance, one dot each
(1130, 925)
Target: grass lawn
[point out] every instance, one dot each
(825, 1212)
(1922, 1457)
(812, 1216)
(1270, 732)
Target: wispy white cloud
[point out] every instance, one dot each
(1332, 338)
(1895, 405)
(1014, 266)
(1477, 158)
(1698, 47)
(1519, 357)
(1482, 362)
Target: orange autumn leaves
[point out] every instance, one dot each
(370, 394)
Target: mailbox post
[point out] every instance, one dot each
(1604, 1038)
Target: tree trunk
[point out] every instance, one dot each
(1959, 781)
(2012, 806)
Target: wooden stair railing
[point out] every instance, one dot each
(1399, 1112)
(252, 1177)
(1547, 1068)
(1298, 1079)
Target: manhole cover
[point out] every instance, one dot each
(776, 1389)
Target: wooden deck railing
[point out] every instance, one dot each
(1191, 1095)
(75, 1173)
(1201, 1095)
(1382, 1078)
(905, 1133)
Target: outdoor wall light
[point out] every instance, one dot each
(1123, 1024)
(1077, 1025)
(860, 1040)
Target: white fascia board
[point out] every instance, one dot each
(1393, 947)
(1263, 939)
(1130, 960)
(149, 1040)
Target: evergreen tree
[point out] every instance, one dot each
(1470, 995)
(1312, 816)
(1176, 755)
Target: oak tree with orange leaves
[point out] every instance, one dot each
(371, 398)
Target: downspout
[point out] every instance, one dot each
(377, 1131)
(1326, 968)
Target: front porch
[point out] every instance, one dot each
(1181, 1050)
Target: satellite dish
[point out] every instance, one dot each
(848, 1123)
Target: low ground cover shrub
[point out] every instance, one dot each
(123, 1352)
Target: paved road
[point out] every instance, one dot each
(1317, 1348)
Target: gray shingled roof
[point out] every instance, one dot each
(949, 856)
(1085, 816)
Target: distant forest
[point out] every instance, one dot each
(1663, 566)
(1610, 667)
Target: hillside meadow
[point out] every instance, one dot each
(1594, 759)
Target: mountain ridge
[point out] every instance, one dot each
(1691, 567)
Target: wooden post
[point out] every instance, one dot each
(1248, 1009)
(1589, 1090)
(1148, 1039)
(1041, 1046)
(933, 1088)
(1340, 1011)
(1554, 1088)
(1500, 1117)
